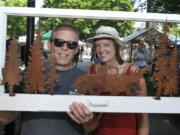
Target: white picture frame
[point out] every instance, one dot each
(34, 102)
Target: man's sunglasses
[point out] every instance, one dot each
(61, 42)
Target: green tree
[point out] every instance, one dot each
(175, 30)
(87, 26)
(15, 23)
(166, 6)
(159, 6)
(163, 6)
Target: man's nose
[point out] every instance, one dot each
(64, 46)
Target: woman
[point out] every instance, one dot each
(141, 55)
(106, 45)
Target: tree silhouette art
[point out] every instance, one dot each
(12, 72)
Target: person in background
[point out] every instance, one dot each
(64, 42)
(106, 45)
(141, 55)
(81, 52)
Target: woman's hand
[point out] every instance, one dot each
(80, 113)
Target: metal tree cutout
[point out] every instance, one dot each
(35, 77)
(105, 83)
(165, 75)
(12, 72)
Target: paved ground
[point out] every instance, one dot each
(1, 130)
(164, 124)
(85, 64)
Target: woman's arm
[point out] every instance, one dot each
(6, 117)
(142, 124)
(142, 119)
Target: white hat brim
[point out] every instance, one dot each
(91, 40)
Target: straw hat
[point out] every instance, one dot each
(106, 32)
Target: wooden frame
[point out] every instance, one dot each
(30, 102)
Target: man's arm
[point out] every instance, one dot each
(6, 117)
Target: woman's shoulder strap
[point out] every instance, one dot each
(92, 69)
(131, 68)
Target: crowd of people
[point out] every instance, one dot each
(80, 120)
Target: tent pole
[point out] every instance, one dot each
(30, 31)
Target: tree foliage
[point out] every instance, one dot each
(159, 6)
(175, 30)
(164, 6)
(88, 26)
(15, 23)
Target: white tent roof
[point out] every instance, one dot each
(151, 33)
(135, 35)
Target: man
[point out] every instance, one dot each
(64, 43)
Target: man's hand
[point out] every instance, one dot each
(79, 113)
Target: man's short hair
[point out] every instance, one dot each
(69, 26)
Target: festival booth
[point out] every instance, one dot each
(150, 35)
